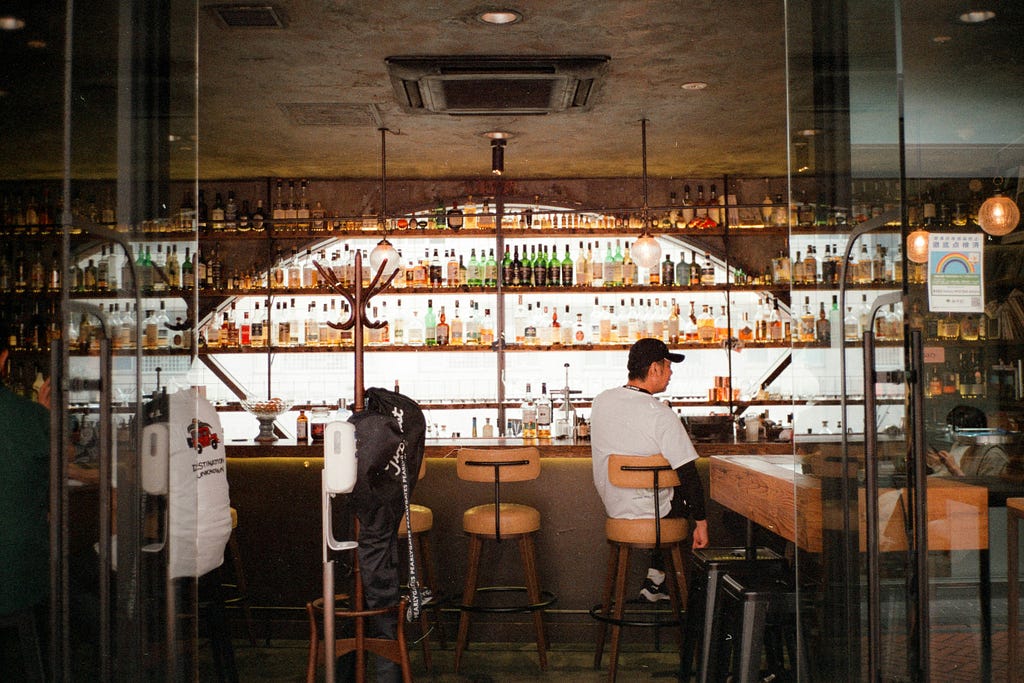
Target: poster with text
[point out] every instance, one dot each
(956, 272)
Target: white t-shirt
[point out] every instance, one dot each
(624, 421)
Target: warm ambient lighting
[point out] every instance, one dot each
(384, 253)
(497, 156)
(500, 17)
(9, 23)
(977, 16)
(998, 215)
(646, 250)
(917, 246)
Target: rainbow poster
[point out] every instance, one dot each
(956, 272)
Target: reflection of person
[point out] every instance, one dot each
(24, 481)
(965, 458)
(628, 420)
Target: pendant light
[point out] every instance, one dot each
(917, 246)
(646, 250)
(998, 214)
(384, 253)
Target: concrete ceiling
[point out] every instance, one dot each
(963, 93)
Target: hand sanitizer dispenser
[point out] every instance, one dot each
(155, 445)
(340, 456)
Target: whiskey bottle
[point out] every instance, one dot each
(529, 416)
(443, 329)
(544, 413)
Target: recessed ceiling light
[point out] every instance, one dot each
(694, 85)
(977, 16)
(500, 17)
(36, 44)
(942, 39)
(808, 132)
(10, 23)
(498, 135)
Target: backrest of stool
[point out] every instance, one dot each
(523, 464)
(644, 472)
(620, 472)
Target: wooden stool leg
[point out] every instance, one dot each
(468, 595)
(606, 601)
(533, 592)
(243, 588)
(619, 605)
(314, 645)
(676, 587)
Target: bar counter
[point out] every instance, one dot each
(447, 448)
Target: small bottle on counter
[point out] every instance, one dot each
(488, 429)
(302, 427)
(473, 433)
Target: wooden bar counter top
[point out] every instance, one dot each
(449, 448)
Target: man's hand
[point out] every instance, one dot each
(700, 534)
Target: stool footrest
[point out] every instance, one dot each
(547, 599)
(597, 613)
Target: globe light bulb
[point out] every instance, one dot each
(646, 251)
(917, 246)
(384, 251)
(998, 215)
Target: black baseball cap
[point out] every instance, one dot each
(647, 351)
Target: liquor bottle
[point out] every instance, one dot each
(244, 331)
(37, 273)
(668, 272)
(217, 212)
(435, 271)
(302, 427)
(705, 326)
(414, 330)
(488, 429)
(761, 333)
(851, 325)
(682, 275)
(290, 209)
(707, 272)
(823, 325)
(596, 266)
(443, 330)
(202, 213)
(745, 332)
(811, 265)
(544, 413)
(487, 328)
(455, 333)
(583, 272)
(474, 276)
(807, 325)
(186, 212)
(173, 269)
(781, 268)
(566, 267)
(775, 327)
(490, 270)
(471, 328)
(508, 274)
(695, 270)
(259, 328)
(53, 278)
(188, 280)
(540, 268)
(579, 331)
(302, 213)
(231, 212)
(799, 270)
(430, 324)
(529, 416)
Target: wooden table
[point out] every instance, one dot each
(775, 492)
(784, 495)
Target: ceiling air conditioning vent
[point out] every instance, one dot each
(495, 85)
(247, 16)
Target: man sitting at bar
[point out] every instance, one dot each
(628, 420)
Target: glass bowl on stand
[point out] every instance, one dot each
(266, 411)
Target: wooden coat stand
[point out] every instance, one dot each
(394, 650)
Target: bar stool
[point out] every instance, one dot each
(499, 521)
(239, 590)
(421, 519)
(1014, 515)
(707, 565)
(394, 650)
(624, 535)
(759, 610)
(24, 621)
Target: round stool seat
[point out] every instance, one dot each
(515, 519)
(642, 531)
(421, 518)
